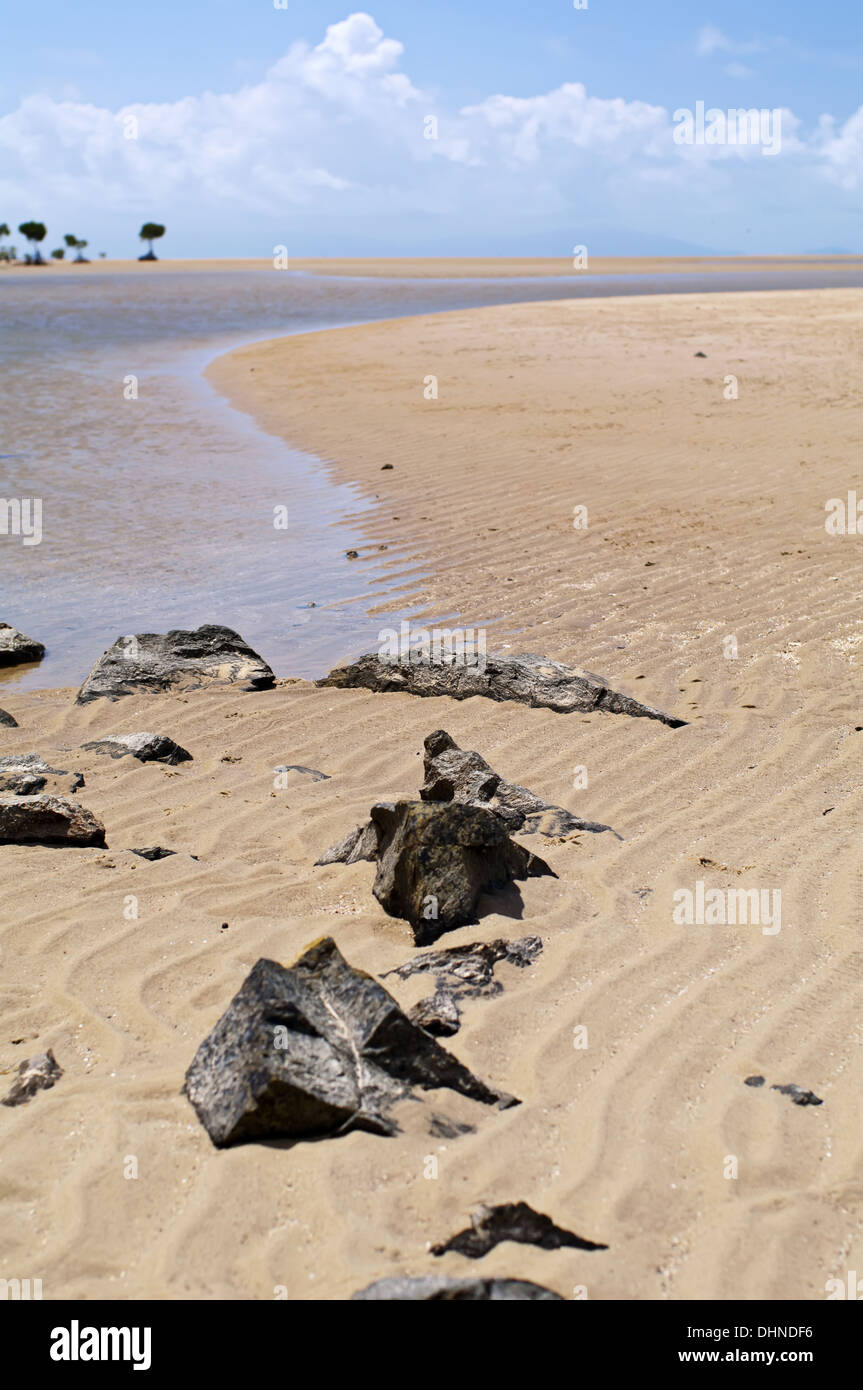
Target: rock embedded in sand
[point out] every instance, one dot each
(798, 1094)
(430, 1288)
(146, 747)
(153, 852)
(16, 649)
(452, 774)
(7, 721)
(529, 679)
(38, 1073)
(435, 860)
(512, 1221)
(462, 972)
(359, 843)
(176, 660)
(316, 1049)
(312, 772)
(26, 774)
(48, 820)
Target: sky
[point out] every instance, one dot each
(462, 127)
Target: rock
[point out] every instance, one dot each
(304, 771)
(512, 1221)
(352, 554)
(35, 1074)
(436, 860)
(177, 660)
(153, 852)
(701, 354)
(359, 843)
(451, 774)
(26, 774)
(16, 649)
(443, 1128)
(754, 1081)
(430, 1288)
(147, 748)
(530, 680)
(462, 972)
(316, 1049)
(48, 820)
(799, 1094)
(7, 721)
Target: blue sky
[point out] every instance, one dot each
(256, 126)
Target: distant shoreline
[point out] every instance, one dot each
(464, 267)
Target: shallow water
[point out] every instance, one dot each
(157, 512)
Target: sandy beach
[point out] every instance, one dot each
(701, 580)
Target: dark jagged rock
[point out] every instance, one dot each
(176, 660)
(316, 1049)
(304, 771)
(38, 1073)
(7, 721)
(26, 774)
(512, 1221)
(147, 748)
(359, 843)
(798, 1094)
(153, 852)
(529, 679)
(16, 649)
(452, 774)
(47, 820)
(462, 972)
(436, 860)
(432, 1288)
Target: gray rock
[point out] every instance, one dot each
(7, 721)
(462, 972)
(436, 860)
(26, 774)
(16, 649)
(147, 748)
(316, 1049)
(512, 1221)
(529, 679)
(432, 1288)
(38, 1073)
(47, 820)
(153, 852)
(176, 660)
(451, 774)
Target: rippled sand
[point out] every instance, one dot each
(706, 522)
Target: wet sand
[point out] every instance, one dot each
(705, 523)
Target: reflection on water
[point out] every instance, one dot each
(157, 512)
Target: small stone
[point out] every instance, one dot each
(38, 1073)
(7, 721)
(153, 852)
(798, 1094)
(146, 747)
(754, 1081)
(304, 771)
(352, 554)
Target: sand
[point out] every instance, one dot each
(706, 523)
(471, 267)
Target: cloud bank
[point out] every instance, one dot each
(334, 141)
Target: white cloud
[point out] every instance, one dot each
(334, 133)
